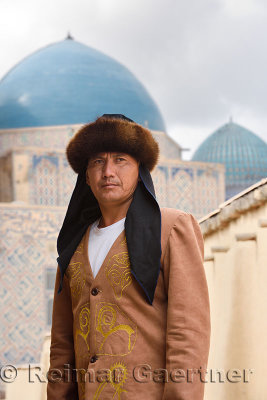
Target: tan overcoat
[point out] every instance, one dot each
(120, 345)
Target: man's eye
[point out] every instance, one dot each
(120, 159)
(99, 161)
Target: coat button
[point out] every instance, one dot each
(93, 359)
(94, 291)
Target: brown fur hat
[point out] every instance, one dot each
(109, 134)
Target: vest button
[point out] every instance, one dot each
(93, 359)
(94, 291)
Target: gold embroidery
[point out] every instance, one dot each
(124, 241)
(79, 249)
(117, 378)
(76, 277)
(84, 324)
(118, 273)
(111, 321)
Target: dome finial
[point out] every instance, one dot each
(230, 119)
(69, 36)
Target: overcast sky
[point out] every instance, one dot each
(201, 60)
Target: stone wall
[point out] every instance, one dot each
(236, 269)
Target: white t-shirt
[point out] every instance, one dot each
(100, 242)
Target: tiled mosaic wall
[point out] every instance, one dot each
(27, 246)
(43, 178)
(57, 138)
(196, 187)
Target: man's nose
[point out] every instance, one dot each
(108, 168)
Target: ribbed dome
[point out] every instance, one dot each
(242, 152)
(70, 83)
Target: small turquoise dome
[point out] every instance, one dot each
(70, 83)
(242, 152)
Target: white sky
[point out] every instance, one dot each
(201, 60)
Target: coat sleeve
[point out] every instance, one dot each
(61, 385)
(188, 314)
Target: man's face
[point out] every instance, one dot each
(112, 177)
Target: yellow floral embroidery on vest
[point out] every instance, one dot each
(79, 249)
(117, 377)
(112, 323)
(84, 325)
(118, 273)
(124, 241)
(76, 277)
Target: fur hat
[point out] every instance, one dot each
(111, 133)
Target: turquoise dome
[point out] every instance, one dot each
(70, 83)
(242, 152)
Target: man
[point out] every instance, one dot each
(131, 309)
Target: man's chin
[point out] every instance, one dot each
(109, 198)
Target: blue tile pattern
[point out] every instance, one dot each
(24, 237)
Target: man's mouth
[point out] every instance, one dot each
(109, 185)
